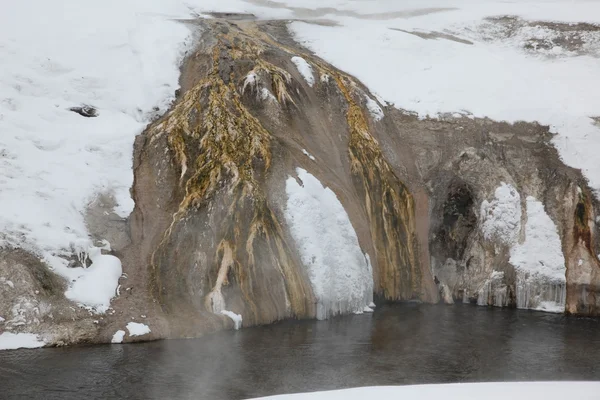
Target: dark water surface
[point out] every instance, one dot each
(402, 344)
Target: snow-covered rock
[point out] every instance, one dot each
(337, 268)
(502, 216)
(305, 70)
(137, 329)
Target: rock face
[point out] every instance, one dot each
(263, 133)
(211, 195)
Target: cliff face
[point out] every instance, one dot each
(213, 172)
(279, 187)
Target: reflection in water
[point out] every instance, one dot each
(402, 344)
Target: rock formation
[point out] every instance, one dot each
(448, 209)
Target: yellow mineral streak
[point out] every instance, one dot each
(222, 146)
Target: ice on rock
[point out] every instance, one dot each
(118, 336)
(494, 291)
(236, 318)
(137, 329)
(502, 216)
(307, 154)
(305, 70)
(540, 263)
(340, 274)
(374, 109)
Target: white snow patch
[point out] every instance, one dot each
(137, 329)
(541, 253)
(339, 272)
(265, 94)
(502, 216)
(372, 305)
(539, 262)
(305, 70)
(374, 109)
(10, 341)
(458, 391)
(236, 318)
(368, 309)
(95, 285)
(118, 336)
(307, 154)
(2, 319)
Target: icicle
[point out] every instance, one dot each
(540, 293)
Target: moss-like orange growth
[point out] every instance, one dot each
(220, 149)
(389, 204)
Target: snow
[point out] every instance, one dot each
(95, 285)
(2, 319)
(493, 286)
(10, 341)
(497, 77)
(541, 252)
(339, 272)
(305, 70)
(118, 336)
(540, 263)
(459, 391)
(374, 109)
(137, 329)
(502, 215)
(120, 57)
(236, 318)
(307, 154)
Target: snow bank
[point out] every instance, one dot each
(502, 216)
(305, 70)
(497, 79)
(540, 262)
(459, 391)
(10, 341)
(118, 336)
(339, 272)
(95, 285)
(236, 318)
(137, 329)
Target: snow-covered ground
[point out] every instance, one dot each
(465, 391)
(435, 56)
(340, 274)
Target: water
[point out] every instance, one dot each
(402, 344)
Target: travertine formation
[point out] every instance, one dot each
(439, 206)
